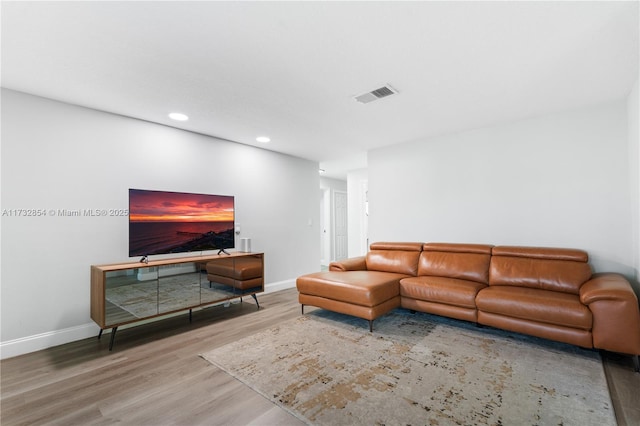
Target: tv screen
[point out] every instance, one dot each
(163, 222)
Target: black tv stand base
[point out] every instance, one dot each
(223, 251)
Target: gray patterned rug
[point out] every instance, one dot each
(417, 369)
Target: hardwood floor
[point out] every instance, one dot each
(624, 387)
(155, 376)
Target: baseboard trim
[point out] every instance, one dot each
(280, 285)
(37, 342)
(25, 345)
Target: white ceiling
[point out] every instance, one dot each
(290, 70)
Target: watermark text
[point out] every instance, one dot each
(65, 212)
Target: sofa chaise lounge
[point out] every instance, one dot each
(544, 292)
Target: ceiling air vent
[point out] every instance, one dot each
(374, 95)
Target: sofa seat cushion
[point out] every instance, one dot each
(365, 288)
(450, 291)
(531, 304)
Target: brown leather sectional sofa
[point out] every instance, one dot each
(544, 292)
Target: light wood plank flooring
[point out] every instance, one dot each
(155, 376)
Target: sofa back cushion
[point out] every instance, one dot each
(401, 258)
(461, 261)
(555, 269)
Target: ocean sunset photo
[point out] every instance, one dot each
(174, 222)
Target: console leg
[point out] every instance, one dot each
(256, 299)
(636, 363)
(100, 334)
(113, 337)
(370, 326)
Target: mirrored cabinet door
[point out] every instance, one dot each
(218, 285)
(233, 277)
(178, 287)
(130, 294)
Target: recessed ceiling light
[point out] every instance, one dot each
(178, 116)
(263, 139)
(321, 171)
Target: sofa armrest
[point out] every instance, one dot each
(352, 264)
(616, 316)
(606, 287)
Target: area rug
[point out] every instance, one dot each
(417, 369)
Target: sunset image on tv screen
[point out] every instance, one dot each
(174, 222)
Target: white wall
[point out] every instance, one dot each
(633, 109)
(560, 180)
(357, 184)
(59, 156)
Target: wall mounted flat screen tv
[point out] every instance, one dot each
(162, 222)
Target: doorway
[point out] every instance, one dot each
(341, 220)
(333, 226)
(325, 228)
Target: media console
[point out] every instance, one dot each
(124, 293)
